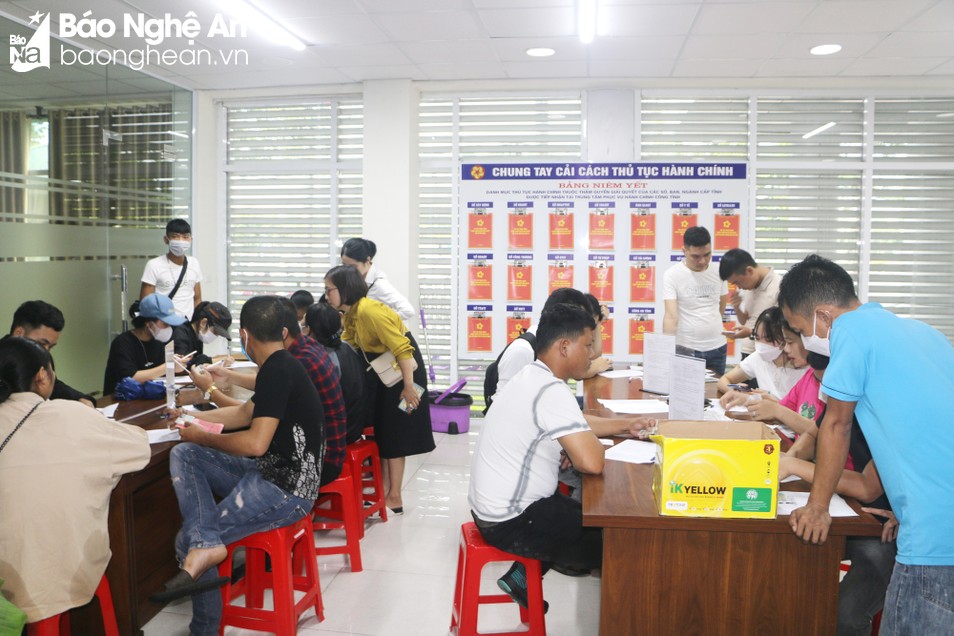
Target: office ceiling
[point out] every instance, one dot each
(725, 43)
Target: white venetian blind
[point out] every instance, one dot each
(293, 185)
(684, 129)
(455, 129)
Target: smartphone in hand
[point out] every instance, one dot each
(403, 403)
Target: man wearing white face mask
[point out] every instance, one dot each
(140, 352)
(210, 321)
(759, 291)
(175, 274)
(897, 376)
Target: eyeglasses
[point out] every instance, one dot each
(330, 289)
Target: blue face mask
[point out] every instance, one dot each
(242, 344)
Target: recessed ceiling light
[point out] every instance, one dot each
(820, 129)
(540, 52)
(825, 49)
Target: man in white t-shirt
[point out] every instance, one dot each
(532, 427)
(759, 291)
(695, 299)
(162, 274)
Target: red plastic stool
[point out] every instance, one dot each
(343, 502)
(53, 626)
(474, 554)
(295, 542)
(365, 463)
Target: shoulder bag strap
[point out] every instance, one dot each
(185, 266)
(19, 424)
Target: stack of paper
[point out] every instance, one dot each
(623, 373)
(633, 452)
(636, 407)
(788, 501)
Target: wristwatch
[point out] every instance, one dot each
(208, 394)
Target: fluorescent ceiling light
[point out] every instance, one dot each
(944, 115)
(178, 134)
(540, 52)
(261, 23)
(820, 129)
(825, 49)
(586, 20)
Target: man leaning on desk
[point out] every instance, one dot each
(906, 419)
(267, 475)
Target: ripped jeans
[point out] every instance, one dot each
(249, 504)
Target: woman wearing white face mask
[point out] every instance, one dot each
(140, 352)
(775, 371)
(210, 321)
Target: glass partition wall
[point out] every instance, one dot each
(94, 161)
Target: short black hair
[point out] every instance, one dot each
(359, 249)
(696, 237)
(302, 299)
(561, 321)
(734, 263)
(291, 319)
(817, 361)
(34, 314)
(813, 282)
(178, 226)
(20, 360)
(567, 296)
(264, 317)
(594, 304)
(350, 283)
(325, 324)
(771, 321)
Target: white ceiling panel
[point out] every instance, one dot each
(344, 30)
(545, 68)
(431, 25)
(762, 17)
(630, 68)
(862, 15)
(944, 69)
(649, 19)
(663, 47)
(309, 8)
(821, 67)
(463, 51)
(730, 47)
(888, 66)
(464, 71)
(799, 45)
(509, 4)
(716, 68)
(382, 71)
(386, 54)
(923, 44)
(940, 17)
(544, 22)
(515, 49)
(388, 6)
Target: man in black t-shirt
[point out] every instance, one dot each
(267, 475)
(42, 323)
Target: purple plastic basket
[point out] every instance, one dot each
(450, 411)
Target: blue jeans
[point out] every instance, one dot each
(920, 601)
(861, 593)
(715, 358)
(248, 504)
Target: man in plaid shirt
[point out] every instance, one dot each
(324, 376)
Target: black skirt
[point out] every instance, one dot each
(399, 434)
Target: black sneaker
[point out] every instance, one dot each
(514, 583)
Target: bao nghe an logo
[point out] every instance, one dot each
(157, 41)
(26, 55)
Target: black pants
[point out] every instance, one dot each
(550, 530)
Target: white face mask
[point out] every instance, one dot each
(815, 343)
(208, 336)
(162, 335)
(767, 352)
(179, 248)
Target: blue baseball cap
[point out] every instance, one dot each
(160, 306)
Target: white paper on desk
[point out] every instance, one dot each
(159, 435)
(623, 373)
(635, 407)
(633, 452)
(788, 501)
(687, 393)
(183, 379)
(243, 364)
(658, 352)
(109, 411)
(789, 478)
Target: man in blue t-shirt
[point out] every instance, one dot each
(896, 375)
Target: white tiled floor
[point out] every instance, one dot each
(407, 584)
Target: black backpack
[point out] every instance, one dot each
(492, 376)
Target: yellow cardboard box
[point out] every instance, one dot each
(716, 469)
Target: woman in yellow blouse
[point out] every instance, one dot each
(375, 328)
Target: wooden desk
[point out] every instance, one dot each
(675, 575)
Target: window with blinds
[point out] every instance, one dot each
(463, 128)
(709, 129)
(293, 186)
